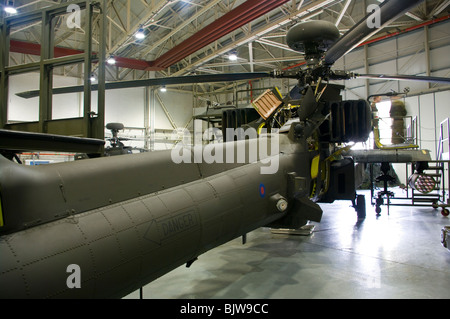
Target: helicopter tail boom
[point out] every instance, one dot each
(119, 246)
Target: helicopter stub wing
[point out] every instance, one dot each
(389, 156)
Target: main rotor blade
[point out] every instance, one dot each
(434, 79)
(208, 78)
(389, 11)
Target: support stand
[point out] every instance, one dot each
(385, 178)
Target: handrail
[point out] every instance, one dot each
(410, 140)
(442, 140)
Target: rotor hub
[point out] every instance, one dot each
(312, 38)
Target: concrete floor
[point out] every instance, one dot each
(395, 256)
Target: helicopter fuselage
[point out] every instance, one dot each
(124, 221)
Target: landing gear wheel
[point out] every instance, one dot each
(361, 207)
(445, 212)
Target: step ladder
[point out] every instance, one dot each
(436, 170)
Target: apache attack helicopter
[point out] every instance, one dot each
(124, 221)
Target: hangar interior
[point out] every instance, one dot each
(395, 255)
(415, 45)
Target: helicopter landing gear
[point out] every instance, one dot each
(359, 204)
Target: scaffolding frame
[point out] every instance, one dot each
(89, 125)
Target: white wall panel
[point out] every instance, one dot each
(19, 109)
(27, 110)
(387, 67)
(125, 106)
(410, 43)
(412, 64)
(378, 87)
(440, 58)
(412, 105)
(179, 106)
(67, 105)
(439, 34)
(444, 73)
(354, 60)
(442, 100)
(382, 51)
(427, 123)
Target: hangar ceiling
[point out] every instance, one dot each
(197, 36)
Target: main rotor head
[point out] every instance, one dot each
(312, 38)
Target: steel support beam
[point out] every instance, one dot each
(305, 11)
(46, 71)
(100, 120)
(231, 21)
(87, 72)
(427, 52)
(4, 62)
(344, 9)
(182, 26)
(24, 47)
(49, 59)
(243, 14)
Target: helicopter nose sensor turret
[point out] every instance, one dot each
(312, 38)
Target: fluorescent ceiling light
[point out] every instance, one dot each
(111, 61)
(140, 35)
(233, 57)
(10, 9)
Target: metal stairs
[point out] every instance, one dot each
(435, 196)
(436, 170)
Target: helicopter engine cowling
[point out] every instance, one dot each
(349, 121)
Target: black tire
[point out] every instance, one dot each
(361, 206)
